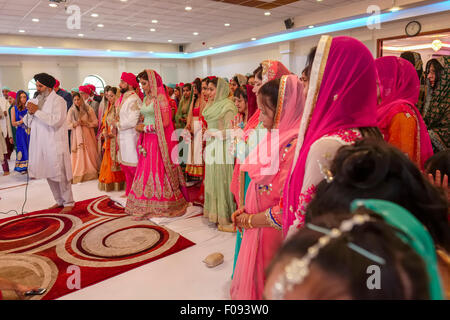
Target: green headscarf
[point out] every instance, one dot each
(183, 109)
(221, 104)
(417, 238)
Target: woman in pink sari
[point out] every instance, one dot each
(81, 119)
(159, 189)
(268, 70)
(399, 119)
(281, 103)
(340, 108)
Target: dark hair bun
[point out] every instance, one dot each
(363, 167)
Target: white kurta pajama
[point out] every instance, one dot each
(49, 156)
(129, 114)
(5, 130)
(128, 136)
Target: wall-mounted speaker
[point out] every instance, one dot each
(289, 23)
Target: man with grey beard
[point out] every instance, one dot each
(49, 156)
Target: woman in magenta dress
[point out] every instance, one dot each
(341, 107)
(159, 189)
(399, 119)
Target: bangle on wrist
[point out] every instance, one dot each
(249, 221)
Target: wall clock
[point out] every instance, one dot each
(413, 28)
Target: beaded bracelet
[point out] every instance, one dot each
(149, 128)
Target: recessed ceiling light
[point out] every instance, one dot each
(39, 47)
(152, 30)
(267, 13)
(109, 50)
(227, 24)
(253, 39)
(35, 20)
(188, 8)
(53, 5)
(195, 33)
(81, 35)
(185, 53)
(210, 48)
(150, 52)
(154, 21)
(21, 31)
(394, 9)
(94, 15)
(129, 38)
(310, 27)
(169, 40)
(123, 0)
(100, 25)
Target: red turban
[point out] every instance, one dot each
(12, 94)
(92, 87)
(57, 84)
(130, 79)
(85, 89)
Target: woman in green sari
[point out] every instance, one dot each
(183, 107)
(436, 110)
(219, 164)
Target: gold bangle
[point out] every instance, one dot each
(250, 226)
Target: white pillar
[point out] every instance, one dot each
(287, 55)
(206, 66)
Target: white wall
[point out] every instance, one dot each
(16, 71)
(246, 60)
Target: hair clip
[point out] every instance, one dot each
(326, 172)
(298, 269)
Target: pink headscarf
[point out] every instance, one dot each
(251, 101)
(346, 98)
(272, 69)
(399, 89)
(286, 123)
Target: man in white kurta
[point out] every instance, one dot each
(129, 106)
(49, 156)
(5, 133)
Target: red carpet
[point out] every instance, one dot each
(47, 249)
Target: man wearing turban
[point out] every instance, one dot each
(49, 156)
(5, 131)
(129, 113)
(87, 93)
(64, 94)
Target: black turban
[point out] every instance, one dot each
(46, 79)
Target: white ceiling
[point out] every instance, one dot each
(133, 18)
